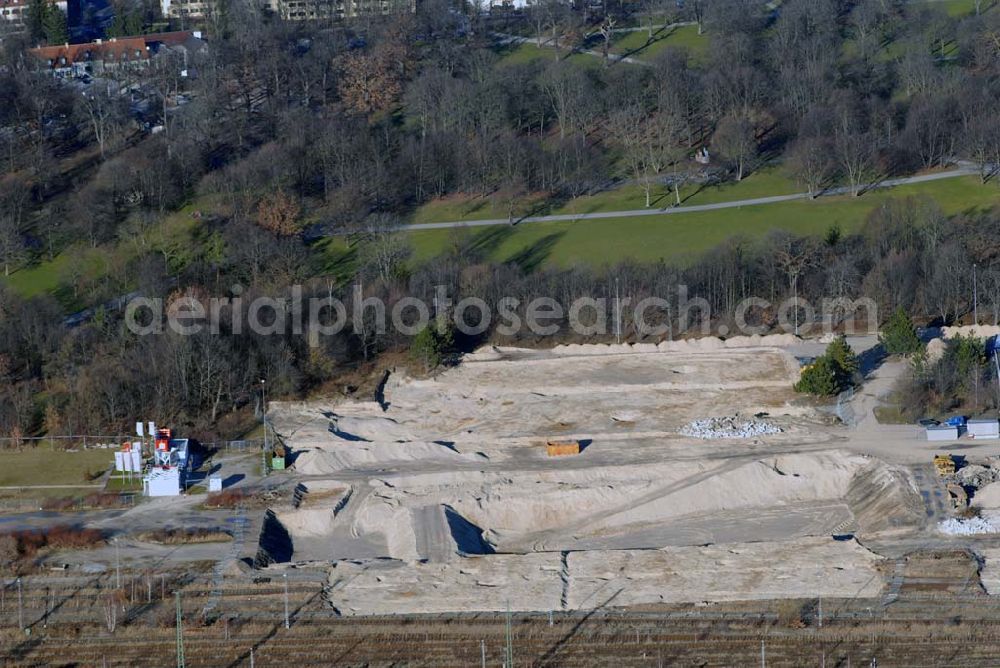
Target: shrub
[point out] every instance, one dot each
(430, 345)
(8, 550)
(819, 378)
(26, 544)
(832, 373)
(899, 336)
(226, 499)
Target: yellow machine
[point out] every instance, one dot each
(944, 464)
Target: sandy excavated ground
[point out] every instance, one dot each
(444, 498)
(805, 567)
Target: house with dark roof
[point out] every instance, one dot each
(102, 56)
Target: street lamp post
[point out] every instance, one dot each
(263, 409)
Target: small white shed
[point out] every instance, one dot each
(215, 483)
(983, 429)
(162, 482)
(942, 432)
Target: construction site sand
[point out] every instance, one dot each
(806, 567)
(485, 407)
(980, 331)
(637, 506)
(988, 496)
(616, 504)
(989, 573)
(429, 508)
(338, 455)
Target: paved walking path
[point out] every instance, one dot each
(736, 204)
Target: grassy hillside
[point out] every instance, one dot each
(683, 236)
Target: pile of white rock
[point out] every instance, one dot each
(966, 527)
(729, 427)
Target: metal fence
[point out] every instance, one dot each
(114, 442)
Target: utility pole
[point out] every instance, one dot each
(263, 402)
(263, 419)
(821, 612)
(118, 566)
(251, 657)
(180, 633)
(482, 650)
(763, 658)
(288, 624)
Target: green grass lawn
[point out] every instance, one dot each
(635, 44)
(526, 53)
(121, 482)
(764, 183)
(177, 235)
(39, 278)
(682, 237)
(956, 8)
(43, 466)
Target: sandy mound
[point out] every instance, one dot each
(540, 582)
(352, 428)
(805, 567)
(980, 331)
(595, 503)
(483, 354)
(387, 517)
(989, 575)
(988, 496)
(309, 522)
(328, 459)
(528, 582)
(935, 350)
(777, 482)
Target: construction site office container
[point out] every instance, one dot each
(983, 429)
(162, 482)
(942, 433)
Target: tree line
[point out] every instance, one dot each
(295, 132)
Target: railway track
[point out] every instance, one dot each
(938, 615)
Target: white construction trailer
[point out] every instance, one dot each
(942, 432)
(989, 429)
(162, 482)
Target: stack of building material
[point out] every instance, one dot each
(729, 427)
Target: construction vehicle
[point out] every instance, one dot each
(944, 465)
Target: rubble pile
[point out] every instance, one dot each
(729, 427)
(966, 527)
(974, 475)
